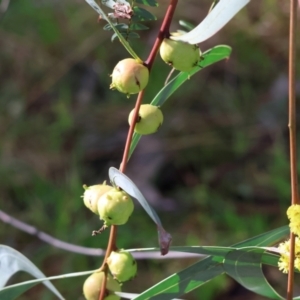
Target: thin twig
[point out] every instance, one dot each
(6, 218)
(292, 134)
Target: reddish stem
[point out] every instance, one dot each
(292, 134)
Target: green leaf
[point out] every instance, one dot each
(13, 291)
(126, 35)
(142, 14)
(209, 57)
(11, 262)
(121, 180)
(245, 266)
(147, 2)
(97, 8)
(204, 270)
(120, 26)
(221, 14)
(138, 26)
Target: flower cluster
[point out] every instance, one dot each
(284, 260)
(293, 214)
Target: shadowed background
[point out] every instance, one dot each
(216, 172)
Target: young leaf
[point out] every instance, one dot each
(121, 180)
(221, 14)
(147, 2)
(142, 14)
(210, 57)
(97, 8)
(11, 262)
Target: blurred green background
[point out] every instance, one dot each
(217, 171)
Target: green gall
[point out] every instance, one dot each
(115, 207)
(149, 119)
(180, 55)
(129, 76)
(92, 194)
(122, 265)
(92, 287)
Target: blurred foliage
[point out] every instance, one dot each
(221, 156)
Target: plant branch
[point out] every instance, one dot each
(163, 32)
(292, 136)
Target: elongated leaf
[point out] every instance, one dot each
(121, 180)
(120, 26)
(210, 57)
(97, 8)
(142, 14)
(208, 268)
(221, 14)
(12, 261)
(245, 266)
(14, 291)
(130, 35)
(147, 2)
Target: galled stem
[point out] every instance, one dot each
(163, 32)
(292, 135)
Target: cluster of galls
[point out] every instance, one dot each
(122, 266)
(131, 76)
(114, 207)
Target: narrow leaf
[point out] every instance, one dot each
(221, 14)
(142, 14)
(203, 271)
(138, 26)
(12, 261)
(245, 266)
(121, 180)
(147, 2)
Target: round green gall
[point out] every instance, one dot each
(115, 207)
(122, 265)
(92, 287)
(180, 55)
(129, 76)
(92, 194)
(149, 119)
